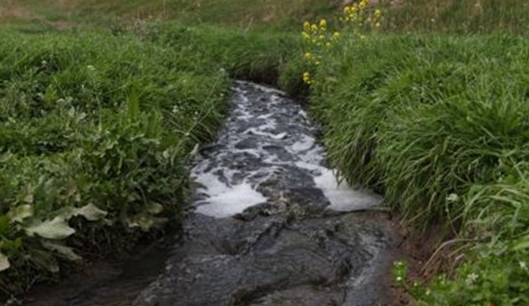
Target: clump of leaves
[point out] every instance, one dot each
(94, 147)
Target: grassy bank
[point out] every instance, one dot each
(431, 16)
(97, 128)
(458, 16)
(243, 14)
(439, 125)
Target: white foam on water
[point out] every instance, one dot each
(244, 114)
(211, 182)
(225, 201)
(269, 125)
(303, 114)
(255, 131)
(255, 152)
(304, 144)
(267, 116)
(228, 190)
(341, 196)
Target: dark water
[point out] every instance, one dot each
(269, 225)
(108, 283)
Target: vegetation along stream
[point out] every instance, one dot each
(268, 224)
(116, 130)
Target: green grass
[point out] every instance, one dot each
(88, 118)
(107, 119)
(459, 16)
(96, 132)
(449, 16)
(243, 14)
(257, 56)
(439, 125)
(495, 269)
(426, 116)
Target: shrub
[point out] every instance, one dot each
(96, 136)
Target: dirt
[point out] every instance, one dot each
(428, 254)
(11, 10)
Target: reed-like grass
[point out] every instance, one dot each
(439, 125)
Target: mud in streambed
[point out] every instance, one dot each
(269, 224)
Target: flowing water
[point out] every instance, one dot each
(268, 225)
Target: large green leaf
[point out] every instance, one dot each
(154, 208)
(4, 262)
(21, 212)
(57, 228)
(91, 212)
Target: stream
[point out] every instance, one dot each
(268, 224)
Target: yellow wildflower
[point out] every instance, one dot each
(336, 35)
(314, 27)
(308, 56)
(306, 77)
(306, 26)
(323, 23)
(305, 35)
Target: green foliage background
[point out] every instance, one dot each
(97, 126)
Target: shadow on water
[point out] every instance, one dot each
(107, 283)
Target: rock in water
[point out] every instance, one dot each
(270, 224)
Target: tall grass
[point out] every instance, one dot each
(97, 128)
(257, 56)
(439, 124)
(425, 117)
